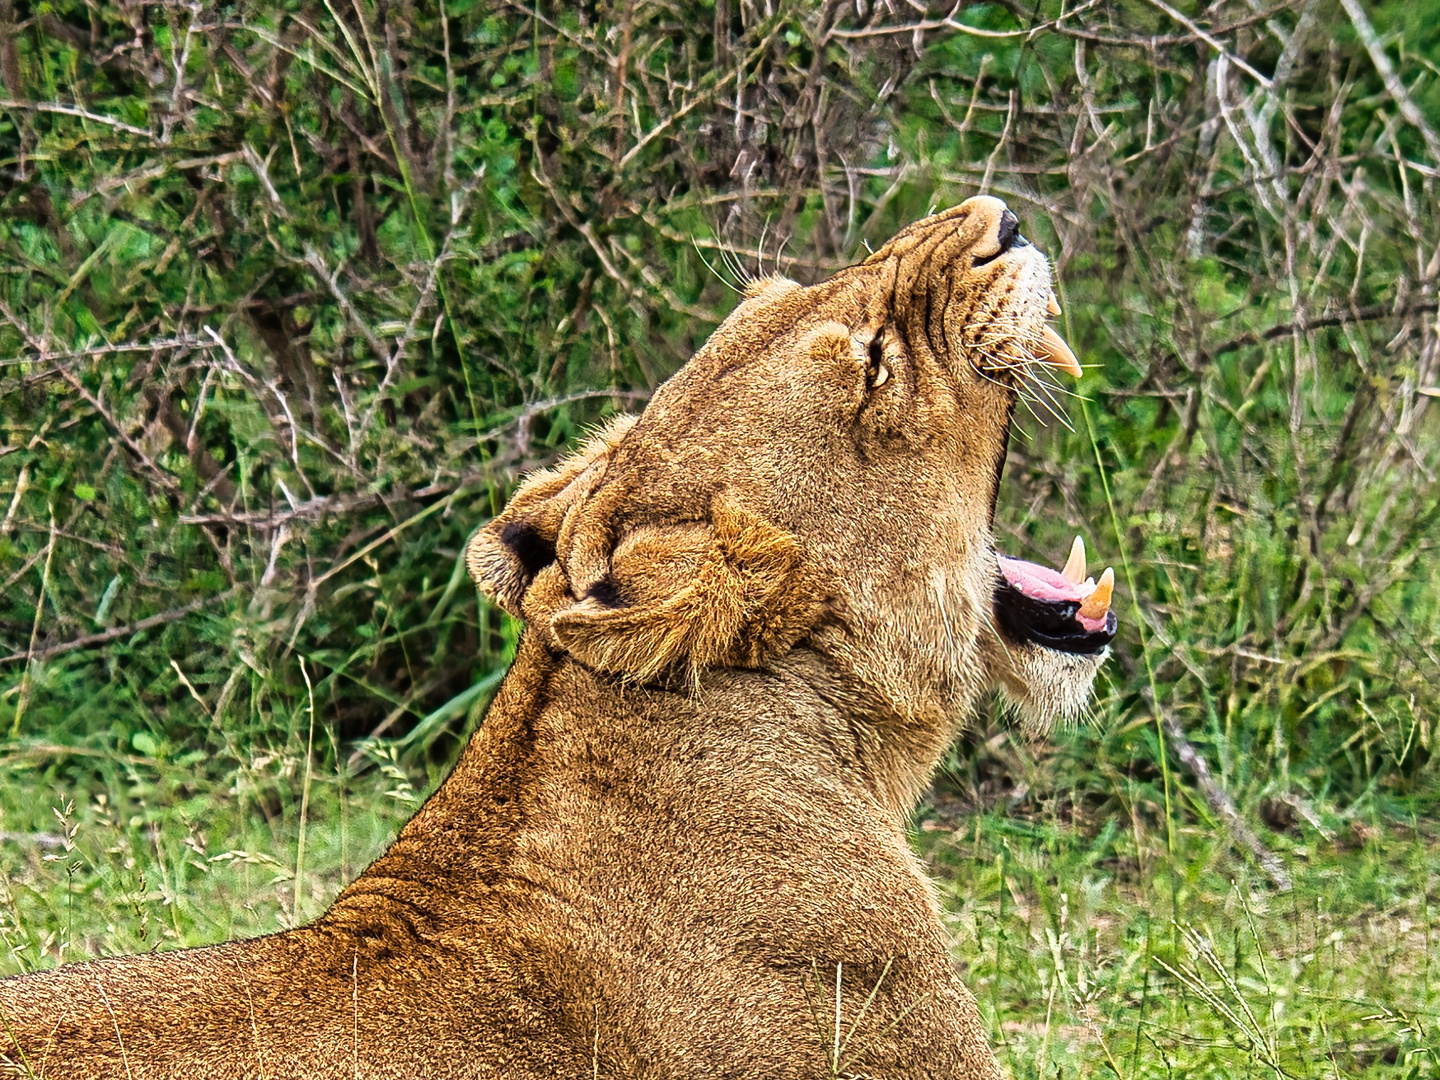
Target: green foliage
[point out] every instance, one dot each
(292, 292)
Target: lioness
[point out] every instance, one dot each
(757, 614)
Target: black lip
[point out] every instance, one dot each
(1009, 237)
(1049, 623)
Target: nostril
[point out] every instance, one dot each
(1010, 232)
(1009, 229)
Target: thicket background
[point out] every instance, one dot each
(293, 291)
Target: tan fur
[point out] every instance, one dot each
(757, 615)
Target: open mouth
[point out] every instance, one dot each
(1066, 610)
(1063, 610)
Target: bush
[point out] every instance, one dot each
(295, 292)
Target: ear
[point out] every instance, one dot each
(504, 556)
(733, 591)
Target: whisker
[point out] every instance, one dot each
(709, 266)
(1052, 390)
(1035, 416)
(990, 378)
(732, 261)
(1042, 373)
(739, 269)
(1050, 405)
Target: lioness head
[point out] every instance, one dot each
(824, 471)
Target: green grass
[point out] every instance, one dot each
(1091, 949)
(149, 858)
(1093, 953)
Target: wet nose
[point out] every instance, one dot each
(1009, 234)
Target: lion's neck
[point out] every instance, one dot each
(896, 743)
(564, 752)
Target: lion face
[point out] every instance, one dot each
(825, 470)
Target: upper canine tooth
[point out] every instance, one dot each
(1098, 602)
(1053, 307)
(1053, 350)
(1074, 571)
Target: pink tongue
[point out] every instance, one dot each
(1040, 582)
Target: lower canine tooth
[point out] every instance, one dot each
(1075, 566)
(1097, 603)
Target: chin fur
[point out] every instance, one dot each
(1042, 687)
